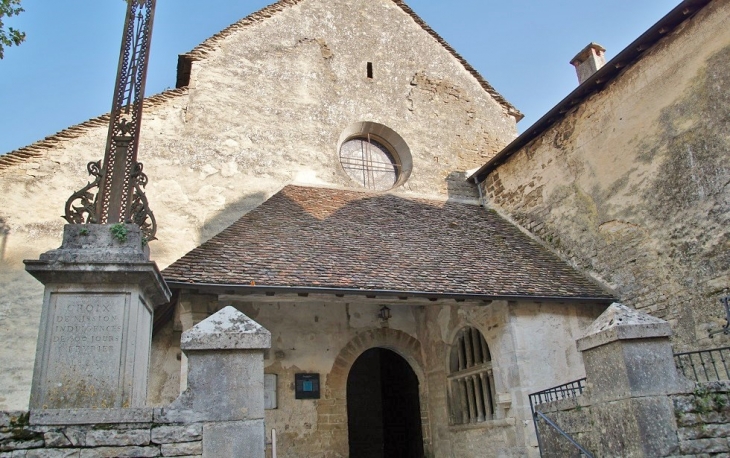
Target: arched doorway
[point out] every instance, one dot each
(383, 409)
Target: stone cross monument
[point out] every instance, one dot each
(100, 286)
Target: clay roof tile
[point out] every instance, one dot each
(379, 242)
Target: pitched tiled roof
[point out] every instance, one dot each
(203, 49)
(326, 238)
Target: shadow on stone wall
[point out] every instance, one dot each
(214, 224)
(459, 188)
(4, 231)
(230, 214)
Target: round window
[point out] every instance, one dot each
(374, 156)
(369, 163)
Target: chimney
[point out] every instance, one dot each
(588, 61)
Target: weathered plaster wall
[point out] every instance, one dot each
(266, 107)
(532, 345)
(163, 384)
(633, 186)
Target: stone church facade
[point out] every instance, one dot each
(318, 175)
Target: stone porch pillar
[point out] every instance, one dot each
(225, 384)
(193, 309)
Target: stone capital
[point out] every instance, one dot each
(619, 322)
(228, 329)
(91, 255)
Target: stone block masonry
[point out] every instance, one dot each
(34, 435)
(205, 421)
(703, 420)
(702, 424)
(630, 185)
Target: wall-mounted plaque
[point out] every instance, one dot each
(270, 401)
(306, 386)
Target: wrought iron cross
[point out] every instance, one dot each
(117, 193)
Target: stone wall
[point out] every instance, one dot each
(214, 417)
(607, 429)
(138, 435)
(631, 185)
(703, 420)
(702, 425)
(266, 106)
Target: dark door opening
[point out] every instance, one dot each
(383, 410)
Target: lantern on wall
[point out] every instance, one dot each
(384, 313)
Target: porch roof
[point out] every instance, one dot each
(329, 240)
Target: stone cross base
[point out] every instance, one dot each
(96, 323)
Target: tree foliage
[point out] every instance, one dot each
(10, 36)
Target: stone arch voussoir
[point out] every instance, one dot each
(332, 408)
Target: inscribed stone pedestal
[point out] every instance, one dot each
(96, 323)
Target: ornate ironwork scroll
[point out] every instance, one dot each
(140, 212)
(120, 183)
(80, 207)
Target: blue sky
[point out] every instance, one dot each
(64, 73)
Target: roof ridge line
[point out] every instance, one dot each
(488, 88)
(39, 147)
(206, 47)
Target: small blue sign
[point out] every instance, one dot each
(306, 386)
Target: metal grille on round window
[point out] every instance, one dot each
(471, 380)
(369, 163)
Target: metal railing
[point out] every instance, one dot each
(556, 393)
(704, 365)
(566, 391)
(562, 433)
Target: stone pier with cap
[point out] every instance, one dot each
(629, 407)
(96, 323)
(225, 387)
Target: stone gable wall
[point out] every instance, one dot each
(632, 187)
(266, 107)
